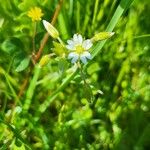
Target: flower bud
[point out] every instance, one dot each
(44, 60)
(102, 36)
(51, 29)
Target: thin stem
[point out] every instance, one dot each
(88, 92)
(33, 38)
(133, 38)
(82, 73)
(141, 36)
(60, 41)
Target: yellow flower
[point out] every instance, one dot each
(35, 14)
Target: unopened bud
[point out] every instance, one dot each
(51, 29)
(44, 60)
(102, 36)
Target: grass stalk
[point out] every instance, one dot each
(31, 89)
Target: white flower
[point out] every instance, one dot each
(79, 49)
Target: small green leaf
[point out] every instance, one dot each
(62, 65)
(23, 64)
(18, 143)
(12, 45)
(88, 92)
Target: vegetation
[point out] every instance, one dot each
(48, 102)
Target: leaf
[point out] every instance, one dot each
(23, 64)
(88, 93)
(12, 45)
(18, 144)
(93, 68)
(62, 65)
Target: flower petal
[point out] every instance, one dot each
(70, 47)
(75, 37)
(83, 59)
(80, 39)
(87, 55)
(74, 60)
(87, 44)
(72, 55)
(70, 42)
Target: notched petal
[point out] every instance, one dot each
(87, 44)
(83, 59)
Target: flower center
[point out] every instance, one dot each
(79, 49)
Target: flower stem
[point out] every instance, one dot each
(87, 88)
(60, 41)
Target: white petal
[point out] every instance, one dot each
(83, 59)
(87, 44)
(70, 47)
(80, 40)
(72, 55)
(75, 37)
(70, 42)
(74, 60)
(87, 55)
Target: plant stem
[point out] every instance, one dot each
(31, 88)
(87, 88)
(33, 38)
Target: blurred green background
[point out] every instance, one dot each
(119, 117)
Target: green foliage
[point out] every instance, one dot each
(104, 104)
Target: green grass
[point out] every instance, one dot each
(102, 105)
